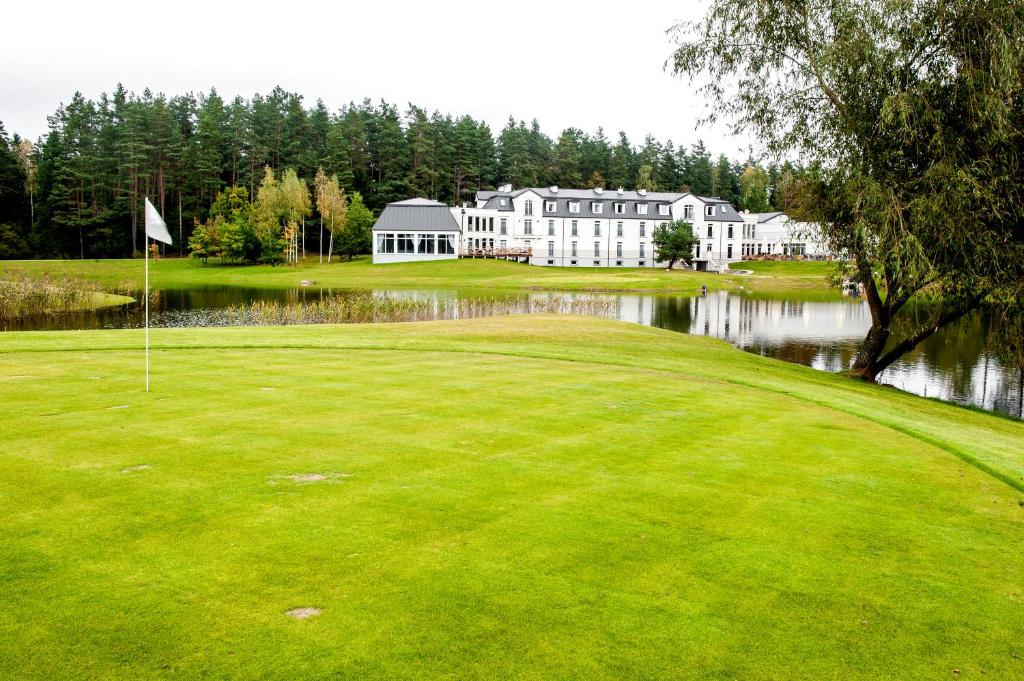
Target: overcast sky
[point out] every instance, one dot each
(598, 64)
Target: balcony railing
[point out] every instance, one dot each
(496, 253)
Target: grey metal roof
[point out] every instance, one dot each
(765, 217)
(495, 203)
(417, 201)
(416, 215)
(724, 211)
(630, 209)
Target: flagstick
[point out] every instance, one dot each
(147, 313)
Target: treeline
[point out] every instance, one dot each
(79, 191)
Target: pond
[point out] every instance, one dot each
(952, 365)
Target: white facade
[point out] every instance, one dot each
(774, 234)
(595, 228)
(583, 228)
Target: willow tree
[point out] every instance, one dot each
(909, 113)
(332, 205)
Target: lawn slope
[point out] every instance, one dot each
(529, 497)
(790, 277)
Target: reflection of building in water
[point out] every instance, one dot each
(755, 322)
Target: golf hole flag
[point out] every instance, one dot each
(156, 229)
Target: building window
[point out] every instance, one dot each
(730, 232)
(698, 250)
(711, 232)
(529, 207)
(389, 244)
(504, 225)
(503, 202)
(753, 231)
(504, 243)
(549, 206)
(642, 252)
(729, 251)
(597, 228)
(618, 250)
(551, 227)
(688, 212)
(597, 249)
(643, 229)
(490, 224)
(620, 208)
(709, 211)
(709, 249)
(575, 228)
(404, 244)
(641, 209)
(426, 244)
(574, 206)
(551, 249)
(618, 229)
(574, 249)
(596, 207)
(527, 226)
(663, 209)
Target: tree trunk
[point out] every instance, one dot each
(181, 246)
(866, 364)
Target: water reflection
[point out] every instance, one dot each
(952, 365)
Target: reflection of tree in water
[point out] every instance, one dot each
(674, 313)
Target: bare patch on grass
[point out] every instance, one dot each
(308, 478)
(119, 406)
(303, 613)
(140, 467)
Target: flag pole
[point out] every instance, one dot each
(156, 229)
(147, 310)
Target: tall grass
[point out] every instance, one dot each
(368, 307)
(22, 295)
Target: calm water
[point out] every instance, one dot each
(952, 365)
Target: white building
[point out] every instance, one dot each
(577, 228)
(596, 227)
(416, 229)
(775, 234)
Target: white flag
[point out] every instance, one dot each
(156, 228)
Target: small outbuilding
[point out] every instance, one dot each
(415, 229)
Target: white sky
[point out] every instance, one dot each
(596, 64)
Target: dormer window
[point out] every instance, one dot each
(574, 206)
(662, 209)
(641, 209)
(549, 206)
(503, 201)
(709, 211)
(620, 208)
(595, 207)
(529, 207)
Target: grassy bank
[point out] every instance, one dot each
(505, 497)
(794, 277)
(25, 293)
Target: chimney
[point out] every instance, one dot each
(505, 188)
(621, 191)
(598, 190)
(641, 192)
(554, 188)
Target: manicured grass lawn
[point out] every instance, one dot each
(466, 273)
(531, 497)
